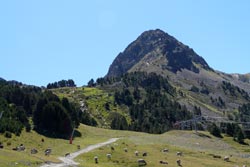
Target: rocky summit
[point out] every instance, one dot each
(157, 48)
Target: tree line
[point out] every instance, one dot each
(23, 106)
(61, 84)
(150, 99)
(230, 129)
(234, 91)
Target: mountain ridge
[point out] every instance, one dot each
(144, 82)
(157, 42)
(155, 51)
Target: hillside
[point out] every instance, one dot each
(155, 51)
(156, 48)
(33, 108)
(97, 103)
(152, 86)
(156, 82)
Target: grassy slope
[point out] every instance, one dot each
(96, 100)
(11, 158)
(197, 149)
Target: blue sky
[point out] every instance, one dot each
(43, 41)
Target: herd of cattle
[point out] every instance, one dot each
(141, 162)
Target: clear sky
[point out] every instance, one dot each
(43, 41)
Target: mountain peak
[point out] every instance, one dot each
(153, 34)
(154, 45)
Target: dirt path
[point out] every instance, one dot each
(69, 161)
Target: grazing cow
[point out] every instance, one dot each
(164, 162)
(96, 159)
(165, 150)
(21, 147)
(179, 153)
(126, 150)
(109, 156)
(178, 162)
(141, 162)
(226, 158)
(14, 149)
(1, 146)
(144, 154)
(42, 140)
(67, 154)
(33, 151)
(216, 156)
(112, 148)
(137, 153)
(48, 151)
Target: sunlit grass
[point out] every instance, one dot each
(153, 144)
(100, 103)
(197, 148)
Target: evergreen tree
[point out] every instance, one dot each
(71, 83)
(72, 110)
(38, 113)
(238, 134)
(91, 83)
(61, 84)
(12, 118)
(86, 119)
(230, 129)
(214, 130)
(119, 122)
(244, 112)
(56, 120)
(197, 110)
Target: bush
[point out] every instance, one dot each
(7, 134)
(194, 89)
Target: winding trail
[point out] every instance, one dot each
(69, 161)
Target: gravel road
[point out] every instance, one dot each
(69, 160)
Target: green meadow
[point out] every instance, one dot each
(198, 149)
